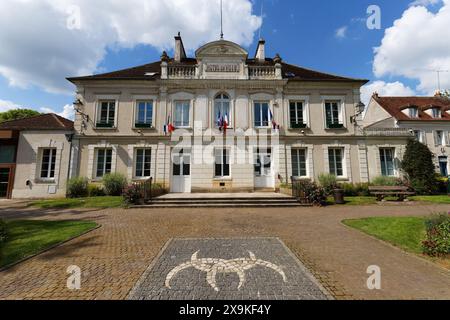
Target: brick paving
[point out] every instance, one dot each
(114, 257)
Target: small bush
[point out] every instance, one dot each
(437, 243)
(328, 182)
(158, 190)
(114, 183)
(95, 190)
(77, 187)
(441, 184)
(3, 232)
(132, 194)
(355, 190)
(387, 181)
(311, 192)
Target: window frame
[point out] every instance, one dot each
(261, 103)
(437, 115)
(97, 150)
(413, 112)
(135, 162)
(444, 138)
(107, 124)
(222, 101)
(182, 126)
(298, 125)
(340, 117)
(225, 155)
(296, 151)
(51, 163)
(332, 150)
(383, 159)
(144, 125)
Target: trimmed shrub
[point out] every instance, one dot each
(3, 232)
(114, 183)
(132, 194)
(419, 167)
(77, 187)
(437, 243)
(386, 181)
(328, 182)
(95, 190)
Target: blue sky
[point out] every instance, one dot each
(303, 32)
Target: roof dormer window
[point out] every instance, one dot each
(436, 113)
(413, 112)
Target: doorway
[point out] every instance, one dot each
(181, 171)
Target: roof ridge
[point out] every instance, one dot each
(322, 72)
(57, 117)
(31, 117)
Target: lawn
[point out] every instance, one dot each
(406, 233)
(92, 202)
(442, 199)
(28, 237)
(361, 201)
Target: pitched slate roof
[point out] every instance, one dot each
(49, 121)
(152, 71)
(395, 105)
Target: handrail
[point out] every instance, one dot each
(298, 193)
(145, 190)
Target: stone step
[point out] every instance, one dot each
(222, 205)
(224, 199)
(221, 201)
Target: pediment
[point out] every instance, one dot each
(221, 48)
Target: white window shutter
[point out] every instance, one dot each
(436, 138)
(446, 139)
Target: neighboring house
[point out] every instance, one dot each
(35, 156)
(312, 116)
(427, 119)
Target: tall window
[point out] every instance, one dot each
(440, 138)
(387, 161)
(419, 135)
(296, 111)
(436, 113)
(143, 163)
(262, 114)
(333, 115)
(298, 162)
(182, 163)
(335, 156)
(104, 159)
(182, 113)
(222, 107)
(144, 114)
(222, 162)
(48, 163)
(106, 114)
(443, 166)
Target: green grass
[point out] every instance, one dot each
(442, 199)
(92, 202)
(28, 237)
(404, 232)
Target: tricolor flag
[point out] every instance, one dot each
(225, 123)
(168, 127)
(275, 126)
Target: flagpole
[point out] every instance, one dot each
(221, 19)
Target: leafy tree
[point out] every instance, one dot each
(419, 167)
(17, 114)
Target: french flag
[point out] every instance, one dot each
(225, 123)
(275, 126)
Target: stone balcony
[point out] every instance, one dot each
(387, 132)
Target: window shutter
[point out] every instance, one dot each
(436, 138)
(446, 139)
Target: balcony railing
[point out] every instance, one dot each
(388, 132)
(181, 72)
(262, 72)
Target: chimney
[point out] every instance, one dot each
(180, 53)
(260, 55)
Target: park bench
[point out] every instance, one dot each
(401, 192)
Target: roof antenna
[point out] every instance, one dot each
(221, 20)
(438, 72)
(262, 20)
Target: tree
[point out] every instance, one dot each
(17, 114)
(419, 167)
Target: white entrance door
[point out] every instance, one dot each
(264, 177)
(181, 172)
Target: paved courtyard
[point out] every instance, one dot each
(116, 256)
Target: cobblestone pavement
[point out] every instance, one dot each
(229, 269)
(114, 257)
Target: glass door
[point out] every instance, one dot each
(4, 182)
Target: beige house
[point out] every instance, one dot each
(34, 157)
(426, 118)
(282, 121)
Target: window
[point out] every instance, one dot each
(443, 166)
(296, 113)
(335, 156)
(106, 114)
(440, 138)
(48, 163)
(419, 135)
(413, 112)
(144, 114)
(299, 163)
(222, 160)
(182, 109)
(182, 163)
(222, 108)
(263, 165)
(262, 115)
(7, 154)
(387, 161)
(143, 163)
(436, 113)
(104, 159)
(333, 115)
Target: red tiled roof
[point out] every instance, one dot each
(152, 71)
(395, 105)
(49, 121)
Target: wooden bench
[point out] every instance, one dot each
(401, 192)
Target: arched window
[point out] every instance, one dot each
(222, 109)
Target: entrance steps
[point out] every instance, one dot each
(249, 200)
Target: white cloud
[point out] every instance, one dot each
(385, 89)
(38, 48)
(416, 46)
(425, 3)
(68, 111)
(8, 105)
(341, 33)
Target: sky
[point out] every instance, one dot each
(45, 41)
